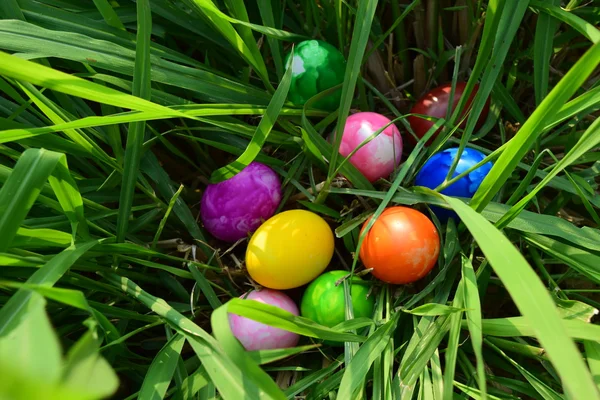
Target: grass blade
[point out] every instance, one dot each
(356, 371)
(532, 299)
(109, 15)
(16, 307)
(360, 36)
(592, 353)
(160, 373)
(542, 52)
(135, 138)
(521, 143)
(582, 26)
(472, 303)
(262, 130)
(20, 191)
(14, 67)
(232, 347)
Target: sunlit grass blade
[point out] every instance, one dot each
(451, 353)
(279, 318)
(592, 354)
(229, 379)
(582, 26)
(28, 71)
(231, 346)
(521, 143)
(532, 299)
(472, 303)
(360, 36)
(544, 390)
(588, 141)
(262, 130)
(356, 371)
(223, 25)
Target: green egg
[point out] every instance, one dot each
(317, 66)
(323, 301)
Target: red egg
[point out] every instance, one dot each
(435, 104)
(401, 247)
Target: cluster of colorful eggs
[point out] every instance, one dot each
(293, 248)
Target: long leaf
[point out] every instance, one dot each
(135, 139)
(159, 375)
(262, 130)
(16, 307)
(532, 299)
(521, 143)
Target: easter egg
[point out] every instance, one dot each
(316, 66)
(378, 158)
(257, 336)
(237, 206)
(402, 246)
(323, 301)
(435, 104)
(435, 170)
(289, 250)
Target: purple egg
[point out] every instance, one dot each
(233, 208)
(257, 336)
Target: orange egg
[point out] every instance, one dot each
(402, 246)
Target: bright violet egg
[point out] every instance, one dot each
(231, 209)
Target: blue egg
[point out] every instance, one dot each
(435, 170)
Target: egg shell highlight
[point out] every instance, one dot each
(378, 158)
(402, 246)
(289, 250)
(316, 67)
(323, 301)
(434, 172)
(435, 104)
(257, 336)
(231, 209)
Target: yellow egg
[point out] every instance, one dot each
(289, 250)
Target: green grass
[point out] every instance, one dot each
(114, 115)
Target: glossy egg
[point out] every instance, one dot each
(401, 247)
(289, 250)
(257, 336)
(435, 104)
(233, 208)
(378, 158)
(435, 170)
(323, 301)
(316, 66)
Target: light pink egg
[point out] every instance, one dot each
(378, 158)
(256, 336)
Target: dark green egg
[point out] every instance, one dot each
(317, 66)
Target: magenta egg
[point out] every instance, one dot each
(378, 158)
(233, 208)
(257, 336)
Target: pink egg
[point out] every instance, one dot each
(233, 208)
(378, 158)
(256, 336)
